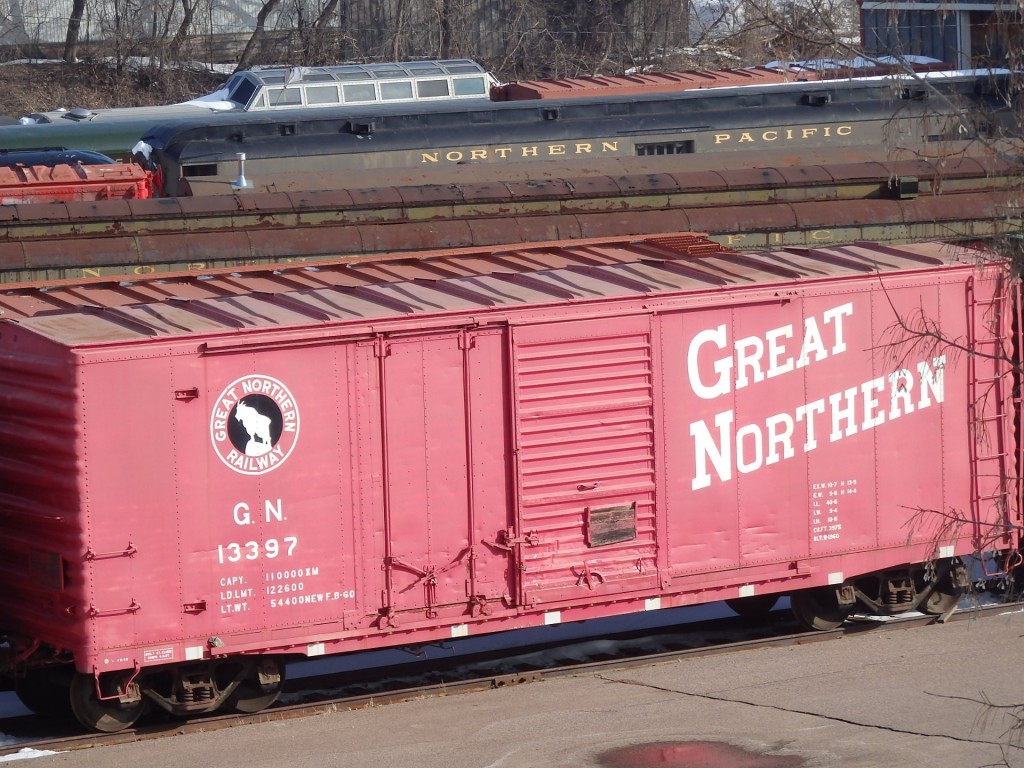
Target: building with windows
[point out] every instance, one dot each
(964, 34)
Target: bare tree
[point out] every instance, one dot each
(188, 8)
(248, 56)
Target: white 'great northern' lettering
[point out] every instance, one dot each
(763, 357)
(726, 448)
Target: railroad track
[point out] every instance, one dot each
(320, 702)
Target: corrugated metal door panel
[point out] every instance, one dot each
(586, 472)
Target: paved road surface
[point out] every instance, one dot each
(906, 698)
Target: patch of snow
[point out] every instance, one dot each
(26, 754)
(217, 105)
(11, 706)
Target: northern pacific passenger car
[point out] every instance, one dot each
(226, 152)
(205, 476)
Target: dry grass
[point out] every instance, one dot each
(27, 88)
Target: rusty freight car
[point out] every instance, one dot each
(958, 197)
(207, 475)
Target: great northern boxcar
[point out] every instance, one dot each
(205, 476)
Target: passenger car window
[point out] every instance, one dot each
(431, 89)
(284, 97)
(322, 94)
(393, 91)
(359, 92)
(469, 86)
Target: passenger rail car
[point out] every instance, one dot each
(116, 131)
(784, 116)
(205, 476)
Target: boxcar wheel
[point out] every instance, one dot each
(252, 694)
(753, 607)
(47, 691)
(818, 608)
(106, 716)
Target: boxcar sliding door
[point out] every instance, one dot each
(445, 439)
(583, 394)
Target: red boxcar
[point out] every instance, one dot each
(70, 182)
(205, 475)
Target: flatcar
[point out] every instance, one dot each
(205, 476)
(229, 151)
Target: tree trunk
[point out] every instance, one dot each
(245, 60)
(325, 15)
(74, 27)
(445, 31)
(188, 13)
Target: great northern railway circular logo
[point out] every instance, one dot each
(254, 424)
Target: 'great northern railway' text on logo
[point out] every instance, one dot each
(254, 424)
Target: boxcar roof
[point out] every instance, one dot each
(466, 280)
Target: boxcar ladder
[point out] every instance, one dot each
(989, 361)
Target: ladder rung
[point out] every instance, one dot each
(993, 497)
(993, 417)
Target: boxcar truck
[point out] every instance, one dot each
(206, 476)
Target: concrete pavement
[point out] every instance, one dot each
(904, 698)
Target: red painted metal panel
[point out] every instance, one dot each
(131, 520)
(795, 411)
(72, 182)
